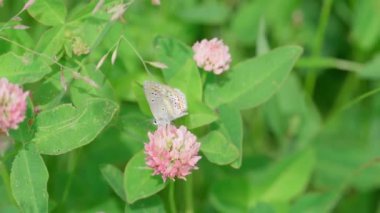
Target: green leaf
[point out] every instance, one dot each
(51, 42)
(139, 182)
(65, 127)
(174, 54)
(135, 127)
(48, 12)
(182, 73)
(353, 157)
(231, 195)
(26, 129)
(92, 84)
(231, 125)
(317, 202)
(274, 185)
(111, 205)
(51, 91)
(285, 180)
(207, 13)
(151, 204)
(245, 22)
(199, 114)
(7, 203)
(263, 208)
(22, 69)
(29, 178)
(218, 149)
(291, 116)
(188, 80)
(254, 81)
(366, 23)
(371, 69)
(114, 178)
(138, 91)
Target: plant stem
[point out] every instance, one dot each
(5, 176)
(137, 54)
(71, 166)
(350, 84)
(360, 98)
(189, 201)
(171, 197)
(352, 103)
(325, 63)
(37, 53)
(317, 45)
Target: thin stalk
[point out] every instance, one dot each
(328, 63)
(172, 204)
(318, 42)
(37, 53)
(353, 102)
(189, 200)
(349, 85)
(137, 54)
(360, 98)
(71, 167)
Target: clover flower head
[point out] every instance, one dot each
(12, 105)
(212, 55)
(172, 152)
(80, 47)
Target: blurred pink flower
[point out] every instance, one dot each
(172, 152)
(156, 2)
(28, 4)
(117, 11)
(5, 143)
(12, 105)
(212, 55)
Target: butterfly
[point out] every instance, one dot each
(165, 102)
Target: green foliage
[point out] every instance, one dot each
(366, 23)
(29, 178)
(278, 184)
(254, 81)
(51, 42)
(218, 149)
(371, 69)
(292, 125)
(152, 204)
(138, 180)
(231, 125)
(49, 12)
(291, 116)
(65, 127)
(210, 12)
(114, 178)
(22, 69)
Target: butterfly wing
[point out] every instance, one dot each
(179, 104)
(154, 92)
(166, 103)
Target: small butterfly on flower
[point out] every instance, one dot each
(165, 102)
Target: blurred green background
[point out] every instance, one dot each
(313, 147)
